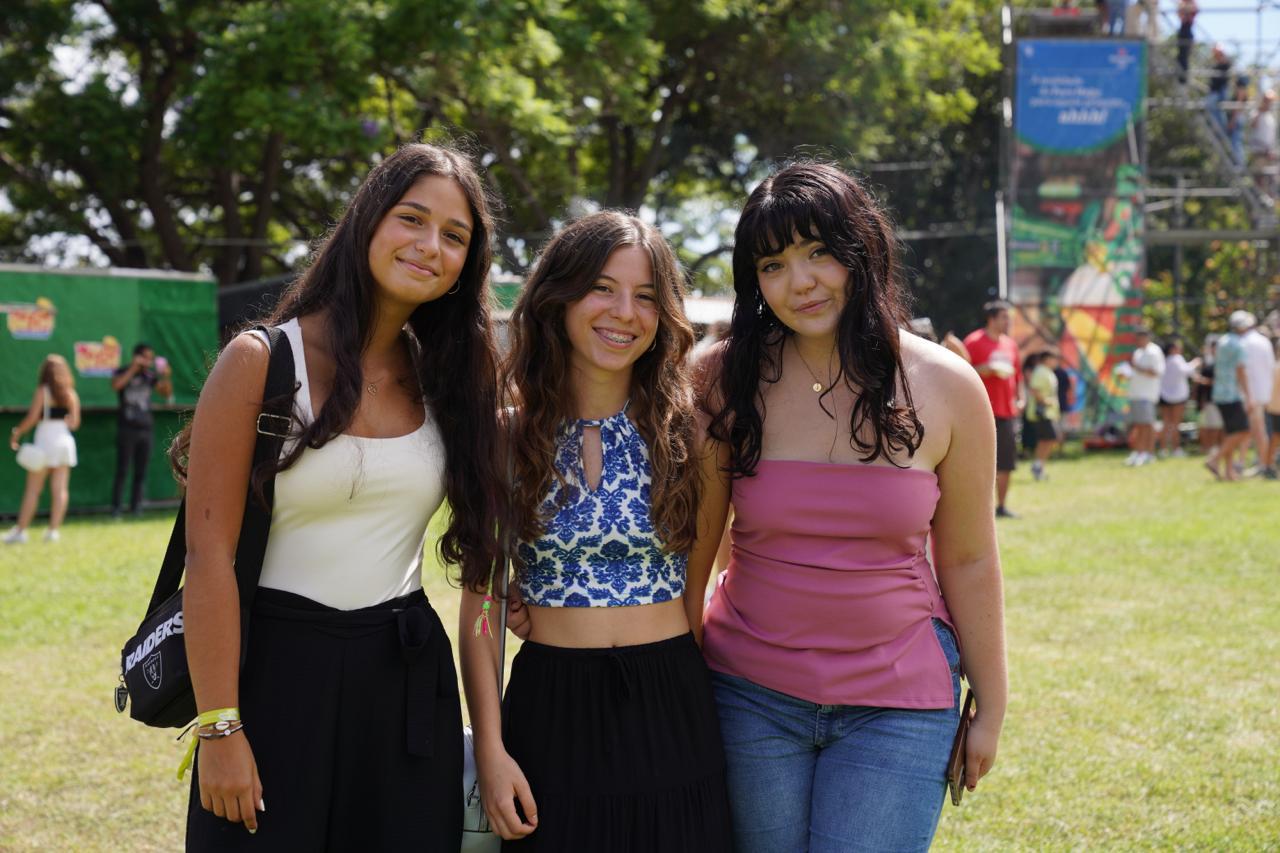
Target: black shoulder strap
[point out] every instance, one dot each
(273, 428)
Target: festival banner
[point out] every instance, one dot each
(1077, 176)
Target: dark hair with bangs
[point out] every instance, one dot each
(537, 375)
(450, 340)
(818, 202)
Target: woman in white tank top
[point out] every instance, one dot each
(345, 710)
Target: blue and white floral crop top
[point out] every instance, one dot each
(600, 549)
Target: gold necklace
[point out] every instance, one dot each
(818, 387)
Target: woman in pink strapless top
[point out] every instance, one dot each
(860, 461)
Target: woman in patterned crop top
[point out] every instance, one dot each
(847, 446)
(607, 738)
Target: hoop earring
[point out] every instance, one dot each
(456, 285)
(653, 345)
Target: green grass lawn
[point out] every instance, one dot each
(1143, 611)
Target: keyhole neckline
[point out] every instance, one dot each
(595, 422)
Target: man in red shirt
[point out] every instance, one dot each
(995, 356)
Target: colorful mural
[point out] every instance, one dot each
(1076, 250)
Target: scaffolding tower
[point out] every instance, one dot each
(1169, 197)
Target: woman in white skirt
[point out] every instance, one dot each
(54, 412)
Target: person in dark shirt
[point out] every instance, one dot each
(1066, 391)
(1219, 81)
(135, 384)
(1210, 421)
(1187, 11)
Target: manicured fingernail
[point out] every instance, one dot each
(262, 807)
(253, 830)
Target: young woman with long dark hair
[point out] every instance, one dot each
(54, 413)
(844, 444)
(343, 745)
(608, 740)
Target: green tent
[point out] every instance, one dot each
(94, 318)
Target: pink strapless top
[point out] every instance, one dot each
(829, 595)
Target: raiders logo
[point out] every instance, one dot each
(153, 670)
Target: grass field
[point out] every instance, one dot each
(1143, 612)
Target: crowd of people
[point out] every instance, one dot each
(857, 467)
(1241, 370)
(1234, 386)
(1246, 114)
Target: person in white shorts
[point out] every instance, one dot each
(54, 412)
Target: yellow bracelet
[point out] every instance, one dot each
(227, 716)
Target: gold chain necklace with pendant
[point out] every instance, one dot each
(818, 387)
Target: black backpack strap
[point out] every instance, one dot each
(273, 428)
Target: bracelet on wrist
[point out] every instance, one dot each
(219, 729)
(220, 722)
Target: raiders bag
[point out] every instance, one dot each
(154, 680)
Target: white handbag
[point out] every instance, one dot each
(32, 458)
(477, 835)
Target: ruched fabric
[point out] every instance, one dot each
(829, 595)
(621, 747)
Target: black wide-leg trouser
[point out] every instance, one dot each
(356, 728)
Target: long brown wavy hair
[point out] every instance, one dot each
(450, 339)
(536, 375)
(819, 202)
(61, 382)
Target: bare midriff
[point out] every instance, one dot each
(607, 627)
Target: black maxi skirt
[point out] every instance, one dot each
(621, 748)
(356, 728)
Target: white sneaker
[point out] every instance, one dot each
(52, 535)
(1132, 458)
(1145, 459)
(15, 536)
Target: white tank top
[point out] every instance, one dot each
(349, 519)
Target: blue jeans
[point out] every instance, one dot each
(1115, 16)
(828, 778)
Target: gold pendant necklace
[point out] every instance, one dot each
(372, 388)
(817, 386)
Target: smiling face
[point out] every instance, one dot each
(616, 321)
(420, 247)
(805, 286)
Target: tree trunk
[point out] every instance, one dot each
(151, 174)
(271, 157)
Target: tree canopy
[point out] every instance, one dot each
(194, 134)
